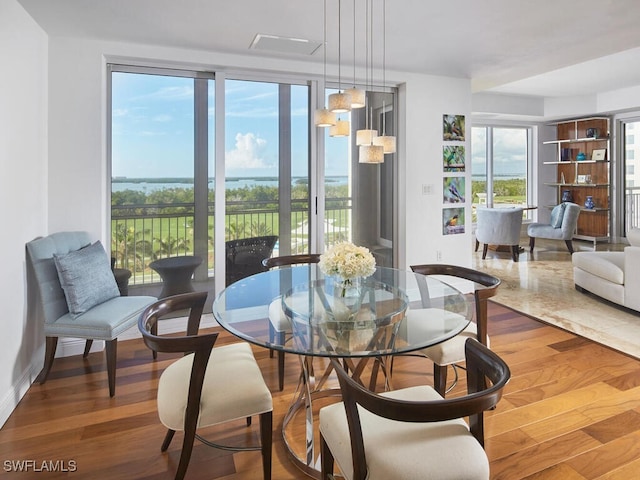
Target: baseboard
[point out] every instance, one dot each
(11, 399)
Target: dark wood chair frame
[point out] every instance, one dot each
(201, 346)
(488, 288)
(284, 261)
(482, 364)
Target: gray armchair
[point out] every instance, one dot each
(499, 226)
(72, 289)
(564, 219)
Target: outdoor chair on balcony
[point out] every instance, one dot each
(244, 256)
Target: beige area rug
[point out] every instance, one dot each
(541, 285)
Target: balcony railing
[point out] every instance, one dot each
(143, 233)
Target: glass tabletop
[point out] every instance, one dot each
(392, 311)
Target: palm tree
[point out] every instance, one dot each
(129, 246)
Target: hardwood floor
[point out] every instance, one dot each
(571, 411)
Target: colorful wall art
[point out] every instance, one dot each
(453, 221)
(453, 190)
(453, 158)
(453, 128)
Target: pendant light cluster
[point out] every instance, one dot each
(372, 146)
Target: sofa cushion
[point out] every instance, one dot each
(633, 236)
(557, 214)
(606, 265)
(86, 278)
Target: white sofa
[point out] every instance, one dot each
(614, 276)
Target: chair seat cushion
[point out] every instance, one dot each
(606, 265)
(452, 351)
(277, 317)
(434, 320)
(543, 230)
(105, 321)
(233, 388)
(401, 450)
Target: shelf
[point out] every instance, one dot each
(574, 162)
(582, 209)
(576, 140)
(577, 184)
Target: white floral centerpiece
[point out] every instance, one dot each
(347, 261)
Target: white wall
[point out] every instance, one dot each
(427, 98)
(23, 192)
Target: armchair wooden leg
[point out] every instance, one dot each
(532, 242)
(50, 353)
(477, 244)
(266, 440)
(154, 331)
(515, 252)
(111, 349)
(569, 246)
(167, 440)
(272, 335)
(87, 348)
(440, 378)
(281, 339)
(484, 250)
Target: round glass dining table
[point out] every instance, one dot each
(390, 312)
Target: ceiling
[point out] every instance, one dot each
(540, 48)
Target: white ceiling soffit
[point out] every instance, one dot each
(287, 45)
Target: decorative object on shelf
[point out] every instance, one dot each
(565, 155)
(562, 179)
(592, 133)
(599, 154)
(582, 179)
(581, 156)
(566, 196)
(588, 203)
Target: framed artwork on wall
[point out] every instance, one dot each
(453, 128)
(453, 189)
(453, 159)
(453, 221)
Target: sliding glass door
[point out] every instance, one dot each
(631, 168)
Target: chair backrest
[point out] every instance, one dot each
(192, 342)
(570, 220)
(482, 364)
(244, 256)
(499, 226)
(44, 290)
(485, 287)
(286, 260)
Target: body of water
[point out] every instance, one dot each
(154, 184)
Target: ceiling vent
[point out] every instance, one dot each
(274, 43)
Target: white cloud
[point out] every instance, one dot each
(247, 153)
(162, 118)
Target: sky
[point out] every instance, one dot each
(153, 132)
(509, 151)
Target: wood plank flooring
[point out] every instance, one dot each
(571, 411)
